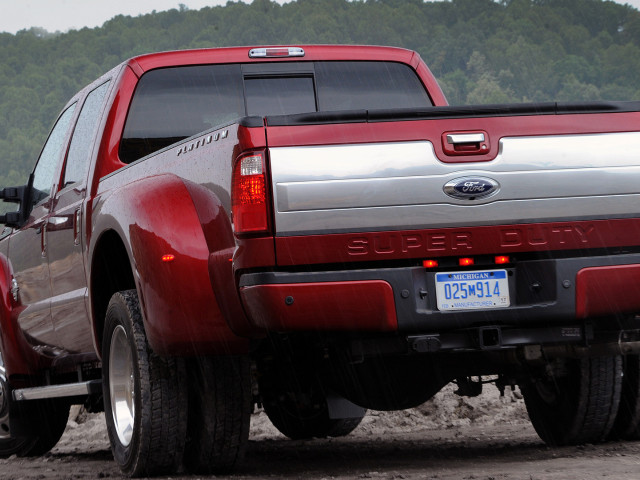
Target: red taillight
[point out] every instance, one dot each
(249, 195)
(465, 262)
(501, 259)
(429, 263)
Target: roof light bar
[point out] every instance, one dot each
(276, 52)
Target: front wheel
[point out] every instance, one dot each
(43, 422)
(577, 405)
(145, 395)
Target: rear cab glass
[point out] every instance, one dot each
(172, 104)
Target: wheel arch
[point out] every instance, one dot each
(160, 229)
(111, 272)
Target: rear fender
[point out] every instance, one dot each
(218, 232)
(165, 238)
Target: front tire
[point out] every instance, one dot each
(43, 422)
(145, 395)
(578, 406)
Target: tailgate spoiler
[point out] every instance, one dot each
(451, 112)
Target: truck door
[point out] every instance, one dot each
(28, 246)
(64, 237)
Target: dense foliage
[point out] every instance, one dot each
(482, 51)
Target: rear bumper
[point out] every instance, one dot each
(544, 293)
(365, 305)
(606, 290)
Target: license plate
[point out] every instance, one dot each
(472, 290)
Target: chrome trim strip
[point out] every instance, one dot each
(438, 216)
(387, 186)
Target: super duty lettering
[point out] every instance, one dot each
(423, 243)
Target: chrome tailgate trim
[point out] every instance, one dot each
(391, 186)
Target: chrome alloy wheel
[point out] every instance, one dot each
(122, 385)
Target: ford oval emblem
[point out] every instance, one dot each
(471, 188)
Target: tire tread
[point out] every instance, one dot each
(220, 413)
(587, 403)
(158, 444)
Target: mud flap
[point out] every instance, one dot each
(339, 407)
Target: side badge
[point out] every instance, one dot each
(471, 188)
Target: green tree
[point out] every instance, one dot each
(483, 51)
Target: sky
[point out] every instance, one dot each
(63, 15)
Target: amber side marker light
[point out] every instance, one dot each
(429, 263)
(466, 262)
(501, 259)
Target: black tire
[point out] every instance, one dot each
(296, 403)
(220, 402)
(151, 391)
(627, 424)
(578, 407)
(300, 421)
(42, 423)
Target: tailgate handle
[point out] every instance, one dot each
(456, 138)
(465, 143)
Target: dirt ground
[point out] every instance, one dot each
(449, 437)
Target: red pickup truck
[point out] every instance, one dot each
(314, 230)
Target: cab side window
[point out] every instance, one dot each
(44, 173)
(80, 150)
(171, 104)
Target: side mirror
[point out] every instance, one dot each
(19, 195)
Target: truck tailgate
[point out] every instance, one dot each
(376, 176)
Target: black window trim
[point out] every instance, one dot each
(74, 115)
(67, 186)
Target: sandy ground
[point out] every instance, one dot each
(449, 437)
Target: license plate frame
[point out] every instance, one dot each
(472, 290)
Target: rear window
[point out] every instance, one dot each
(279, 95)
(368, 86)
(172, 104)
